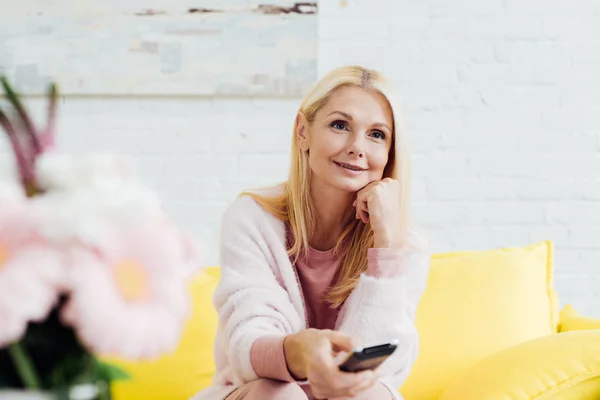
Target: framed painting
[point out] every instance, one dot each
(160, 47)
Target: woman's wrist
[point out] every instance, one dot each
(294, 357)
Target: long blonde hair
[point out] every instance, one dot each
(294, 206)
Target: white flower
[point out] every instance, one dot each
(55, 170)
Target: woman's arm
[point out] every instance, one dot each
(383, 305)
(250, 303)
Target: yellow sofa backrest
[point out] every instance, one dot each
(475, 304)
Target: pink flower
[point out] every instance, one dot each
(31, 271)
(127, 264)
(128, 292)
(88, 228)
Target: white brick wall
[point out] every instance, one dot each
(502, 100)
(199, 153)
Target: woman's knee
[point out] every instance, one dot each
(281, 390)
(270, 389)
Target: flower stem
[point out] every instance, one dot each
(24, 366)
(13, 99)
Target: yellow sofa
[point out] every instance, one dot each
(489, 327)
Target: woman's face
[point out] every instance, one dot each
(349, 141)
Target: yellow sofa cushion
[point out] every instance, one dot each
(565, 366)
(177, 376)
(476, 304)
(571, 320)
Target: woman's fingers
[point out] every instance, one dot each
(368, 381)
(364, 212)
(353, 380)
(327, 381)
(351, 383)
(339, 340)
(362, 208)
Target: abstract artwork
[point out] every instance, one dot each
(160, 47)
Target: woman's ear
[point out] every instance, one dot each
(302, 131)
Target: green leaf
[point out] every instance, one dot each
(71, 369)
(53, 95)
(24, 365)
(111, 373)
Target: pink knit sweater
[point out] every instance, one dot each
(260, 300)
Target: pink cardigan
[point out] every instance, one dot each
(259, 295)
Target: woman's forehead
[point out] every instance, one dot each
(359, 104)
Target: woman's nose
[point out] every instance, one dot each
(356, 147)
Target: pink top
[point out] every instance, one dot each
(317, 274)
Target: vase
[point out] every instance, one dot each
(78, 392)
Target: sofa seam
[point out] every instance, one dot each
(570, 382)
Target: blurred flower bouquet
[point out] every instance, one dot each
(90, 266)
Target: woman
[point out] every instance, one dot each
(327, 260)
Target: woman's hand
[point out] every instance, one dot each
(310, 355)
(378, 203)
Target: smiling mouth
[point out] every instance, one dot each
(349, 166)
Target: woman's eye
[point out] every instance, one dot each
(341, 125)
(378, 135)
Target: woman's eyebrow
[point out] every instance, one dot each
(349, 118)
(343, 114)
(382, 125)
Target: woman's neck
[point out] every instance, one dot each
(333, 209)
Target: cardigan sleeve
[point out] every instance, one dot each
(249, 300)
(268, 358)
(383, 308)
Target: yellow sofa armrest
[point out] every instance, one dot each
(571, 320)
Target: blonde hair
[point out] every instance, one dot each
(294, 206)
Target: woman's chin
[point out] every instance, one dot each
(350, 185)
